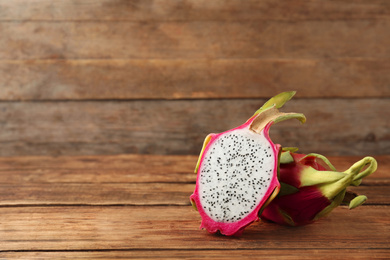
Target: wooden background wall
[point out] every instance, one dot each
(156, 76)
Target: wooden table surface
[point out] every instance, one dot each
(137, 206)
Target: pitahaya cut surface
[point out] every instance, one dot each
(237, 171)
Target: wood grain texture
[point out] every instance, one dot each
(192, 49)
(336, 127)
(129, 168)
(100, 194)
(153, 228)
(235, 39)
(135, 78)
(44, 215)
(166, 10)
(128, 194)
(189, 50)
(288, 254)
(192, 79)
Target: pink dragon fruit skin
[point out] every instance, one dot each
(311, 188)
(237, 171)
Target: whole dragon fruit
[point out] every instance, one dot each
(237, 171)
(311, 188)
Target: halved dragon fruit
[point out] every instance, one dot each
(237, 171)
(311, 188)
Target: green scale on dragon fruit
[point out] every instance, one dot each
(237, 171)
(311, 188)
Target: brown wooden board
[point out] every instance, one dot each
(96, 207)
(334, 127)
(192, 79)
(279, 253)
(128, 194)
(129, 168)
(108, 77)
(166, 10)
(153, 228)
(303, 40)
(171, 51)
(97, 194)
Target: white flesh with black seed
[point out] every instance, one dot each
(236, 172)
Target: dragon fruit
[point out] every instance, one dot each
(237, 171)
(311, 188)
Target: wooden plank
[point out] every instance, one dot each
(191, 79)
(97, 194)
(135, 168)
(308, 40)
(207, 254)
(377, 195)
(166, 10)
(129, 194)
(336, 127)
(130, 168)
(151, 228)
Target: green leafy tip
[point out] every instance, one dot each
(286, 158)
(357, 201)
(352, 176)
(278, 101)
